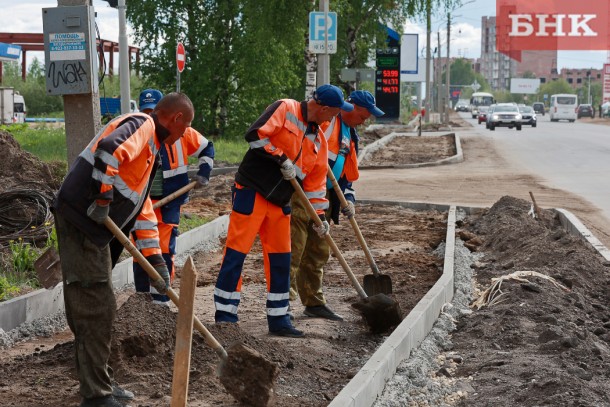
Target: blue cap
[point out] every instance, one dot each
(332, 96)
(149, 98)
(365, 99)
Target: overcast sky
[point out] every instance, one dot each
(25, 16)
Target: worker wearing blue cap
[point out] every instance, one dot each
(310, 252)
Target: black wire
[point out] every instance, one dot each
(25, 213)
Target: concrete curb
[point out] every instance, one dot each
(370, 381)
(368, 150)
(40, 303)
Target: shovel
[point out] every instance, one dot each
(175, 194)
(48, 268)
(373, 284)
(380, 312)
(238, 360)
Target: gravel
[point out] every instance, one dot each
(425, 378)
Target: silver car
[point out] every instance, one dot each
(505, 115)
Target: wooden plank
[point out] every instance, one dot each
(184, 335)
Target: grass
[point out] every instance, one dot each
(45, 142)
(191, 222)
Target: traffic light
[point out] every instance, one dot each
(113, 3)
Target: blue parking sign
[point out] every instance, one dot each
(322, 32)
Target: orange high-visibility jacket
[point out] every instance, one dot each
(281, 132)
(332, 132)
(115, 168)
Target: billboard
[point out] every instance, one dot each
(524, 85)
(411, 68)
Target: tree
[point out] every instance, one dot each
(553, 88)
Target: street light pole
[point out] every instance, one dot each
(447, 68)
(589, 90)
(428, 33)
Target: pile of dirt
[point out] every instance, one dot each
(537, 344)
(411, 150)
(18, 168)
(212, 200)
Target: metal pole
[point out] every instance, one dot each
(323, 76)
(438, 73)
(123, 59)
(447, 69)
(428, 33)
(177, 80)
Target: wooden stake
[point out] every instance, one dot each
(536, 207)
(184, 335)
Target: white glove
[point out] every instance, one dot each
(323, 229)
(349, 211)
(288, 170)
(201, 181)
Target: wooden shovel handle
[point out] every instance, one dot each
(175, 194)
(354, 224)
(152, 273)
(316, 219)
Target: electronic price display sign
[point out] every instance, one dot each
(387, 81)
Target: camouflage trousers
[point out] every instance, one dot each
(309, 255)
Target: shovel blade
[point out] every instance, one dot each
(48, 268)
(373, 285)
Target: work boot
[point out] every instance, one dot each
(288, 332)
(106, 401)
(120, 393)
(322, 311)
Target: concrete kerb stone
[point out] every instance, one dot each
(41, 303)
(575, 227)
(370, 381)
(382, 142)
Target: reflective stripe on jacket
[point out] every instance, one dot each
(114, 168)
(174, 162)
(350, 173)
(281, 132)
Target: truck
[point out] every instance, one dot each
(12, 106)
(110, 107)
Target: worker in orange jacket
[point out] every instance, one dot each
(110, 178)
(285, 143)
(310, 253)
(171, 176)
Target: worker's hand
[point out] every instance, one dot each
(349, 211)
(201, 181)
(161, 285)
(98, 213)
(323, 229)
(288, 170)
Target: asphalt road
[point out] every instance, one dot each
(571, 156)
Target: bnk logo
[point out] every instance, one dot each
(523, 25)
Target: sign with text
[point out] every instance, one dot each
(551, 25)
(322, 32)
(387, 81)
(524, 85)
(9, 52)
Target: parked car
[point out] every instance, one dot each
(585, 110)
(505, 115)
(462, 105)
(528, 116)
(538, 107)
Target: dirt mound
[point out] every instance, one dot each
(20, 168)
(538, 345)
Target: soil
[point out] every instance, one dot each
(411, 150)
(537, 345)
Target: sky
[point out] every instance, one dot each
(25, 16)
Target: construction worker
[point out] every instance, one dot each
(172, 176)
(285, 143)
(310, 252)
(110, 178)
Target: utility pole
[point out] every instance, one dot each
(323, 75)
(123, 59)
(447, 69)
(81, 111)
(428, 33)
(438, 74)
